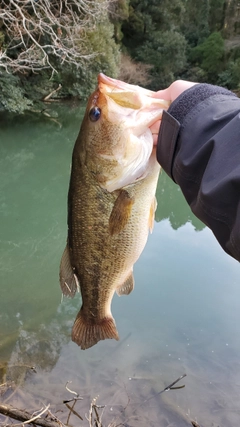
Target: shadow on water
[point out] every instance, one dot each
(182, 317)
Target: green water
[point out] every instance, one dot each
(182, 317)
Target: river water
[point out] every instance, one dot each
(182, 317)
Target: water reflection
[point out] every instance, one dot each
(182, 316)
(172, 206)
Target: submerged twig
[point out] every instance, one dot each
(97, 422)
(42, 411)
(47, 97)
(73, 411)
(169, 387)
(74, 399)
(56, 420)
(73, 392)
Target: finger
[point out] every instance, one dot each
(155, 129)
(178, 87)
(155, 138)
(162, 94)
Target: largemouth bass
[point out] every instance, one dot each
(111, 202)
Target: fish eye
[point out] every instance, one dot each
(94, 114)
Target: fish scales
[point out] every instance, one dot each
(99, 258)
(109, 212)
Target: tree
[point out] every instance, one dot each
(209, 55)
(49, 44)
(216, 15)
(231, 25)
(148, 16)
(118, 12)
(230, 77)
(37, 35)
(195, 22)
(166, 52)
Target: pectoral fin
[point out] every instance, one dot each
(121, 212)
(68, 280)
(153, 208)
(127, 287)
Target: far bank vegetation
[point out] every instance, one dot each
(57, 47)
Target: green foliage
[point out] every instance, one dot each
(161, 40)
(194, 74)
(209, 55)
(216, 15)
(133, 29)
(81, 81)
(106, 53)
(105, 58)
(118, 12)
(148, 16)
(20, 92)
(195, 25)
(166, 52)
(152, 36)
(12, 95)
(183, 38)
(230, 77)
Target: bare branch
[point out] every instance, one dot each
(25, 417)
(37, 34)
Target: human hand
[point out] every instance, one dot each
(169, 94)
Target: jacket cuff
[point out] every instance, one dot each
(166, 144)
(173, 119)
(196, 94)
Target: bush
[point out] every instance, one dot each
(209, 56)
(230, 78)
(12, 95)
(166, 52)
(133, 72)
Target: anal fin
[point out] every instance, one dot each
(68, 280)
(127, 287)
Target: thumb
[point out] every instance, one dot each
(162, 94)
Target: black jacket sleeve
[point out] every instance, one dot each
(199, 148)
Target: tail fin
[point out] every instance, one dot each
(86, 334)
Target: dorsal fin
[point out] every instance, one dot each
(121, 212)
(68, 280)
(127, 287)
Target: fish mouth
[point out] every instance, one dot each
(143, 103)
(120, 86)
(133, 109)
(103, 79)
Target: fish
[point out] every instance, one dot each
(111, 203)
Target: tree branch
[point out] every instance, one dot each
(26, 417)
(37, 34)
